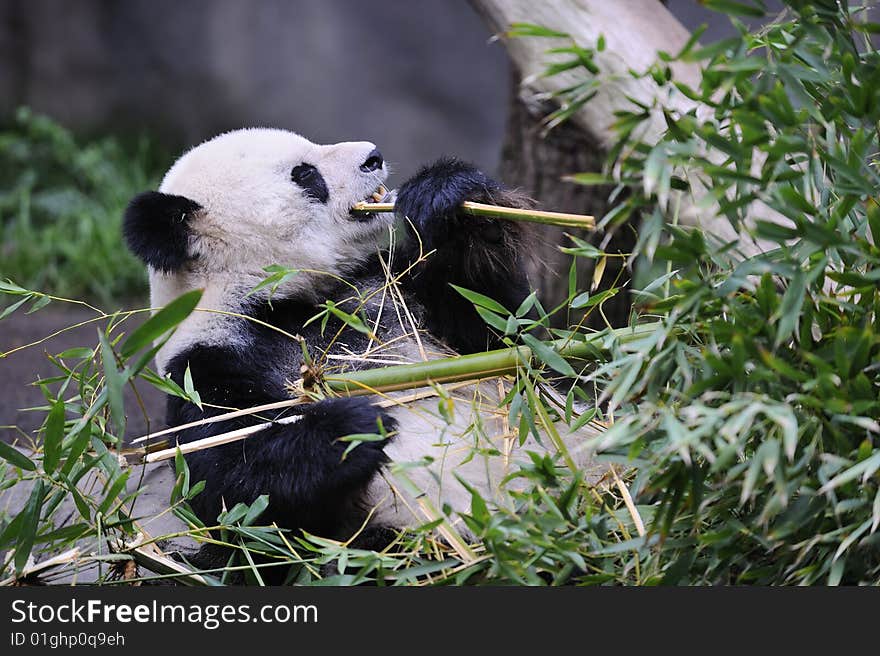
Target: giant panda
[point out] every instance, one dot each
(251, 198)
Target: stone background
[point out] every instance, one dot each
(417, 77)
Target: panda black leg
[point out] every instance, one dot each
(299, 460)
(302, 466)
(476, 253)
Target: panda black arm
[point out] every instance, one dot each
(298, 463)
(480, 254)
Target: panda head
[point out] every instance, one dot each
(255, 197)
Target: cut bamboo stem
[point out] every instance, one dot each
(226, 416)
(468, 367)
(421, 374)
(69, 556)
(499, 212)
(152, 558)
(216, 440)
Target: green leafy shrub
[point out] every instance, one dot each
(61, 206)
(753, 411)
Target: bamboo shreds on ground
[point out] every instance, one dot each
(152, 558)
(65, 558)
(499, 212)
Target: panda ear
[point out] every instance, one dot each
(156, 229)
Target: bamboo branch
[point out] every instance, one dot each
(421, 374)
(226, 416)
(216, 440)
(634, 33)
(499, 212)
(468, 367)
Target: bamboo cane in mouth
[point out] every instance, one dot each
(499, 212)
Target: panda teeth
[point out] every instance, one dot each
(379, 195)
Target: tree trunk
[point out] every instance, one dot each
(634, 32)
(536, 164)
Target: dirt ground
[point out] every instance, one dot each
(19, 370)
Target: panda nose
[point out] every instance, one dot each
(373, 163)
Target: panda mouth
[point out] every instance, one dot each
(380, 196)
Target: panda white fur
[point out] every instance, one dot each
(256, 197)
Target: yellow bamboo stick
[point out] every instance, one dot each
(499, 212)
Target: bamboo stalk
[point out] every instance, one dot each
(466, 367)
(628, 501)
(420, 374)
(499, 212)
(226, 416)
(216, 440)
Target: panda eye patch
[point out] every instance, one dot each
(312, 182)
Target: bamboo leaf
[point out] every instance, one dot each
(547, 355)
(589, 179)
(873, 214)
(112, 492)
(15, 457)
(580, 301)
(9, 287)
(852, 537)
(736, 8)
(53, 436)
(357, 439)
(865, 469)
(256, 509)
(12, 308)
(39, 304)
(481, 300)
(492, 319)
(598, 272)
(161, 322)
(28, 528)
(190, 389)
(529, 29)
(234, 514)
(81, 504)
(278, 276)
(115, 382)
(350, 320)
(790, 308)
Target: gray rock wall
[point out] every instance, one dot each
(416, 76)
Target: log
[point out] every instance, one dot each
(634, 32)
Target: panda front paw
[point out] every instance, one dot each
(430, 202)
(332, 419)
